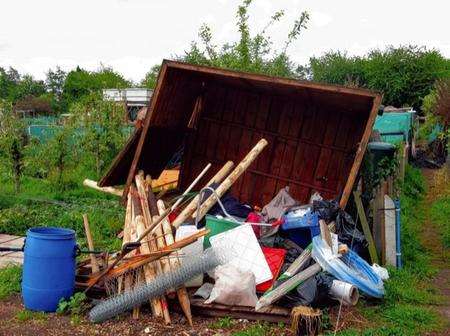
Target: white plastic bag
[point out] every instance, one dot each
(233, 287)
(381, 271)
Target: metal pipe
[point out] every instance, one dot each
(398, 233)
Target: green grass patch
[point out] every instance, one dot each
(39, 204)
(405, 309)
(28, 315)
(10, 278)
(222, 323)
(406, 287)
(262, 329)
(440, 214)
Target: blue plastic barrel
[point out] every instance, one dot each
(48, 268)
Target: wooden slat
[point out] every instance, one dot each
(360, 152)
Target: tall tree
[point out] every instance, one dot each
(55, 81)
(80, 83)
(252, 52)
(13, 139)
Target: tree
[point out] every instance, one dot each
(55, 81)
(251, 53)
(80, 83)
(13, 139)
(405, 74)
(8, 81)
(102, 131)
(151, 77)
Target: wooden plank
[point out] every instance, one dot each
(272, 314)
(365, 227)
(270, 80)
(360, 152)
(90, 241)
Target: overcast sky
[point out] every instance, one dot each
(133, 35)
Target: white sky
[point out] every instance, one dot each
(133, 35)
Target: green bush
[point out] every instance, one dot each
(10, 279)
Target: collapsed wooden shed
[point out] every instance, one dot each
(317, 133)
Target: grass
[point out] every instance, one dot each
(39, 204)
(262, 329)
(440, 214)
(222, 323)
(28, 315)
(407, 308)
(10, 278)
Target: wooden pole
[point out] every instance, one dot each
(182, 294)
(360, 152)
(94, 264)
(228, 182)
(192, 185)
(151, 244)
(190, 208)
(365, 227)
(110, 190)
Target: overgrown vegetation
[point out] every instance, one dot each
(404, 74)
(10, 278)
(407, 308)
(13, 140)
(28, 315)
(76, 305)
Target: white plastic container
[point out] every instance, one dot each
(193, 249)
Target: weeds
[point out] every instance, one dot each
(261, 329)
(405, 309)
(74, 306)
(440, 214)
(10, 278)
(222, 323)
(28, 315)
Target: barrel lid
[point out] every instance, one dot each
(51, 233)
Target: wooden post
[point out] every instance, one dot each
(94, 264)
(192, 185)
(325, 233)
(151, 244)
(109, 190)
(234, 175)
(182, 294)
(190, 208)
(149, 269)
(403, 158)
(360, 152)
(365, 227)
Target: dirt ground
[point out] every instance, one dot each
(53, 324)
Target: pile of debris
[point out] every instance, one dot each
(265, 239)
(286, 253)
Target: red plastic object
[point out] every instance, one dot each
(174, 214)
(275, 259)
(253, 217)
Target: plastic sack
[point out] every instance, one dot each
(345, 226)
(348, 268)
(381, 271)
(233, 287)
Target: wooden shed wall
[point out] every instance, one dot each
(312, 142)
(317, 133)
